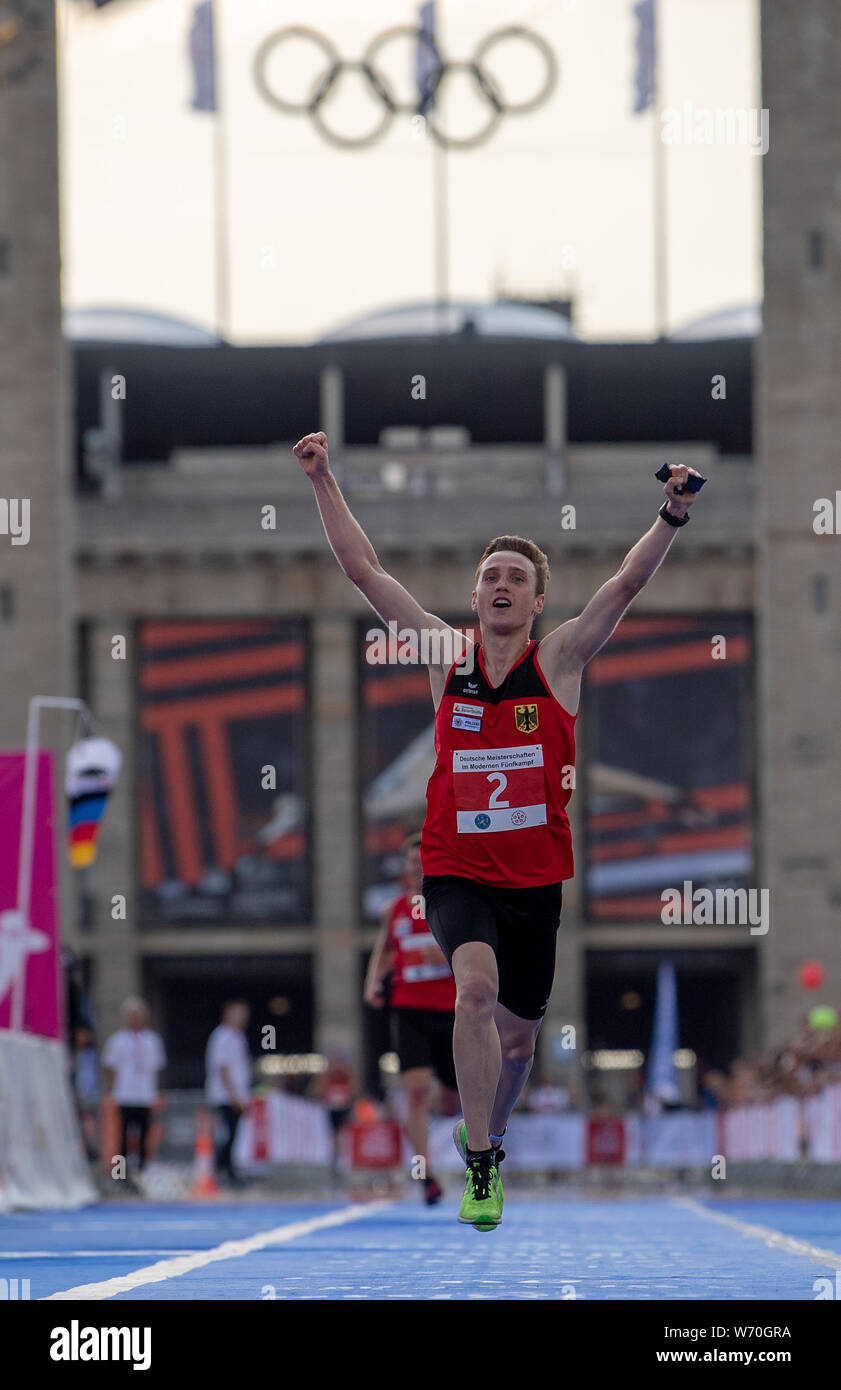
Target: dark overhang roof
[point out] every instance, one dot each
(617, 392)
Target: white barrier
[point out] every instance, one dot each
(42, 1162)
(283, 1129)
(533, 1142)
(787, 1130)
(822, 1125)
(680, 1139)
(772, 1130)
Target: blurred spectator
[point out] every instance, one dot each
(803, 1066)
(132, 1058)
(335, 1088)
(86, 1086)
(712, 1090)
(228, 1080)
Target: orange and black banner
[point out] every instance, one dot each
(668, 765)
(224, 777)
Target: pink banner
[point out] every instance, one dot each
(29, 950)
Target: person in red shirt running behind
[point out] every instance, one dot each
(423, 1000)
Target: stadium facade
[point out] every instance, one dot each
(271, 770)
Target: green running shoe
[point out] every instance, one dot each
(481, 1205)
(460, 1139)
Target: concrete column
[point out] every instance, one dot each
(336, 964)
(799, 426)
(114, 944)
(35, 503)
(567, 1002)
(555, 427)
(332, 415)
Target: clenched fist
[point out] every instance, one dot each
(311, 453)
(680, 502)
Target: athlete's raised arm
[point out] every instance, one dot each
(358, 559)
(567, 649)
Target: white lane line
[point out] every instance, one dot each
(85, 1254)
(171, 1269)
(767, 1234)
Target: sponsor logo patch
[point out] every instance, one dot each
(460, 722)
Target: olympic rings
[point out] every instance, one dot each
(409, 108)
(328, 83)
(335, 67)
(495, 109)
(297, 31)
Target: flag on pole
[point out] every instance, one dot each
(645, 77)
(662, 1080)
(427, 59)
(202, 57)
(93, 766)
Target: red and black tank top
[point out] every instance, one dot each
(422, 978)
(503, 774)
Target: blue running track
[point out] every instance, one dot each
(600, 1249)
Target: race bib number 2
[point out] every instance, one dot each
(499, 789)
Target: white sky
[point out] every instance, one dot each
(318, 235)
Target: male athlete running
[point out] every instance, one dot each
(496, 842)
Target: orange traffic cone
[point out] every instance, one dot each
(204, 1179)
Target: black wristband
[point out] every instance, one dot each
(672, 520)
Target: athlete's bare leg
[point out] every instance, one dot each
(417, 1082)
(476, 1047)
(517, 1038)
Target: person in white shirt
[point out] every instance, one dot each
(131, 1061)
(228, 1085)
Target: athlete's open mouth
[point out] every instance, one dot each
(502, 603)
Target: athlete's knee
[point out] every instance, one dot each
(518, 1051)
(476, 995)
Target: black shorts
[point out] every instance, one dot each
(424, 1038)
(519, 924)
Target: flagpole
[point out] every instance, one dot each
(659, 197)
(429, 14)
(220, 187)
(440, 197)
